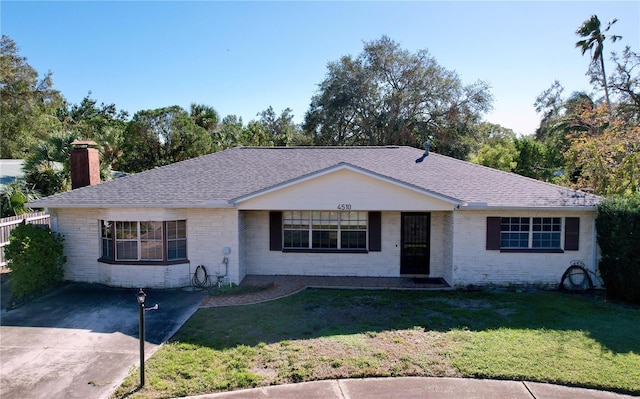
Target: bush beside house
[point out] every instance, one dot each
(36, 259)
(618, 224)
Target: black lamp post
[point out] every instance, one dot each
(141, 297)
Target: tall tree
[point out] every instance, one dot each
(228, 133)
(388, 95)
(89, 120)
(254, 134)
(161, 136)
(498, 149)
(531, 159)
(625, 83)
(606, 159)
(204, 116)
(280, 128)
(27, 102)
(593, 41)
(102, 123)
(47, 167)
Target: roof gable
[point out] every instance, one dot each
(348, 186)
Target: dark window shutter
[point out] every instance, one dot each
(571, 234)
(493, 233)
(375, 231)
(275, 231)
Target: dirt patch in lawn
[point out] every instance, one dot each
(388, 353)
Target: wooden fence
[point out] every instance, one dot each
(10, 223)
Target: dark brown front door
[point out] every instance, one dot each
(416, 236)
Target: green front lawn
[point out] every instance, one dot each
(320, 334)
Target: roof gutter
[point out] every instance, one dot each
(201, 205)
(480, 206)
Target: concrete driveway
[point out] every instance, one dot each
(81, 340)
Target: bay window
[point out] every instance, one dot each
(144, 241)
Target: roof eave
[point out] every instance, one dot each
(572, 208)
(204, 205)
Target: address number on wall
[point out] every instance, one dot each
(344, 207)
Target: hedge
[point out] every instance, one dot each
(618, 225)
(35, 257)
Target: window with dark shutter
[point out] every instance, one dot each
(375, 231)
(571, 234)
(275, 231)
(493, 233)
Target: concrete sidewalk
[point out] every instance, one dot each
(416, 388)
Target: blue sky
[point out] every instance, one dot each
(242, 57)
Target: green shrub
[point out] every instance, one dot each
(36, 259)
(618, 225)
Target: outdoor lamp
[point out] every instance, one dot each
(141, 297)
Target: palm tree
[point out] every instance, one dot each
(594, 41)
(204, 116)
(47, 167)
(14, 197)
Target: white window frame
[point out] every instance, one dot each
(530, 232)
(136, 237)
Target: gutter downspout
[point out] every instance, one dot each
(53, 220)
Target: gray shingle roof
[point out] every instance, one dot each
(220, 178)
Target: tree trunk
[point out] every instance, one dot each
(604, 82)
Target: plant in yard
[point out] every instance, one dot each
(618, 226)
(36, 259)
(14, 197)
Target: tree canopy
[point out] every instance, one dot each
(389, 95)
(158, 137)
(27, 102)
(385, 95)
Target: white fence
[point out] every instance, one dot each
(10, 223)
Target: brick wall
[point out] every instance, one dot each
(208, 232)
(457, 249)
(447, 246)
(386, 263)
(474, 265)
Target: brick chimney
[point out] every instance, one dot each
(85, 164)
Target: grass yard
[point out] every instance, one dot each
(321, 334)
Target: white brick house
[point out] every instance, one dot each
(336, 211)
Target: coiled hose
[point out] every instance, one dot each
(200, 278)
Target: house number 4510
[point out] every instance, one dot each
(344, 207)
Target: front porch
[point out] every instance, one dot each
(282, 286)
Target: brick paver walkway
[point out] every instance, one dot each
(282, 286)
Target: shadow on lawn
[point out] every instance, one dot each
(320, 312)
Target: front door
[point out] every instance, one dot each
(416, 236)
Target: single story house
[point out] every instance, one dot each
(334, 211)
